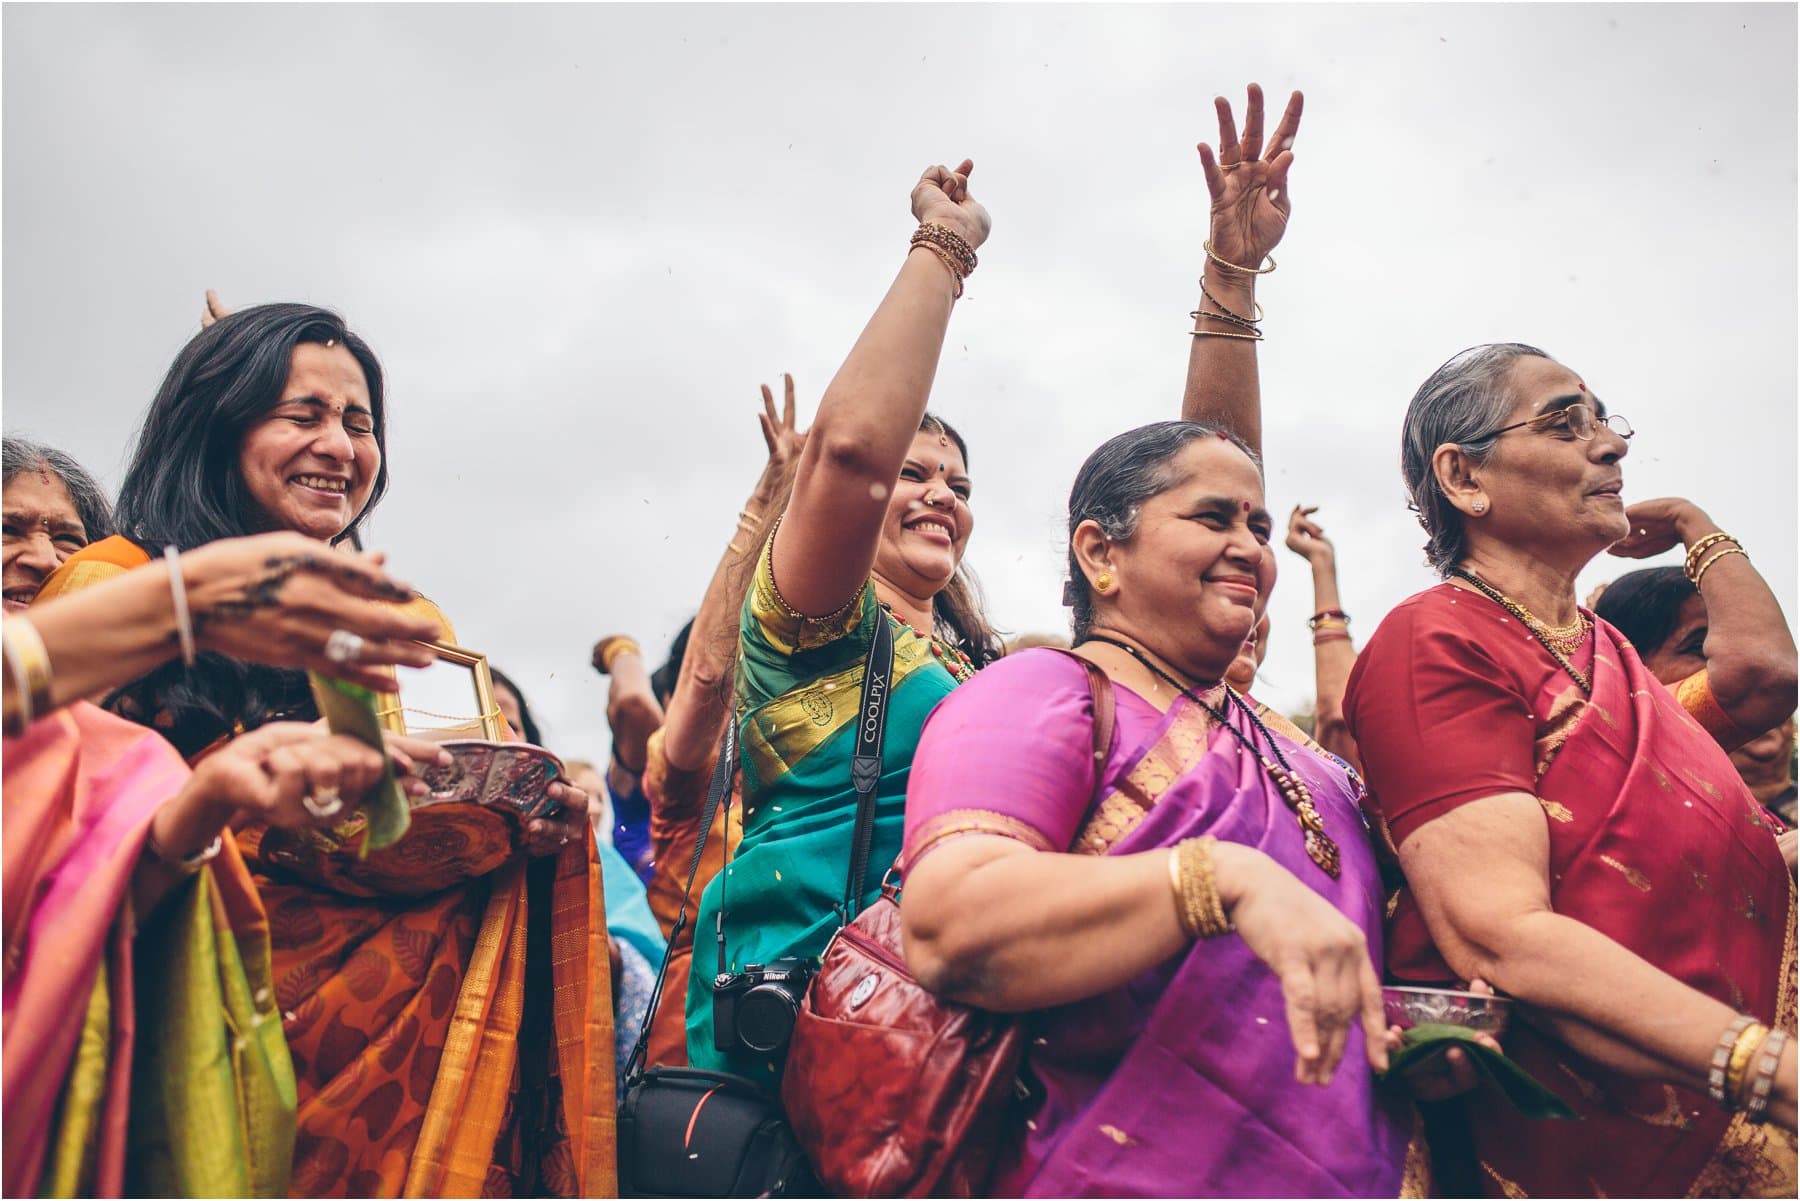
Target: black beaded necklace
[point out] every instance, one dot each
(1525, 619)
(1319, 846)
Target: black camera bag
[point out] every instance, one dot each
(684, 1132)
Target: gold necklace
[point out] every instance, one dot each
(1559, 648)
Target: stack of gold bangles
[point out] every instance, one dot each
(1238, 325)
(610, 649)
(1741, 1074)
(951, 249)
(1695, 570)
(1329, 625)
(29, 663)
(1197, 900)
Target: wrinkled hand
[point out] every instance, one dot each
(1306, 537)
(780, 434)
(263, 776)
(941, 197)
(1322, 961)
(1655, 527)
(213, 309)
(1248, 180)
(1448, 1075)
(276, 598)
(549, 835)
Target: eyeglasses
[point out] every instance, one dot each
(1579, 420)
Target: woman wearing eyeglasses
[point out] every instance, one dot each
(1567, 831)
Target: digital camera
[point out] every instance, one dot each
(754, 1010)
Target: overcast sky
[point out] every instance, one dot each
(580, 237)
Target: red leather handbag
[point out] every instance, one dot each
(891, 1090)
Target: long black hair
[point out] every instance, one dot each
(185, 486)
(530, 732)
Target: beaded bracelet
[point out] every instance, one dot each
(1721, 1059)
(1768, 1059)
(1226, 263)
(1335, 618)
(1699, 548)
(1730, 550)
(1255, 308)
(961, 253)
(1228, 318)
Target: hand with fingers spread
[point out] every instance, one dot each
(1306, 538)
(941, 197)
(781, 434)
(1248, 180)
(285, 600)
(1319, 955)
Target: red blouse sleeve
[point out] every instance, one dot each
(1440, 715)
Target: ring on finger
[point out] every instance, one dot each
(323, 804)
(344, 647)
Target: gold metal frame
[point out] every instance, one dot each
(395, 718)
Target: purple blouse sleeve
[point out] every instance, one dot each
(1008, 753)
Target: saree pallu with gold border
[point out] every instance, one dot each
(1656, 843)
(180, 1084)
(1182, 1082)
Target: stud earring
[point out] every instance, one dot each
(1103, 582)
(1479, 506)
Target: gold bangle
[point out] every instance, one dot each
(1721, 1058)
(1214, 256)
(1219, 333)
(943, 257)
(1730, 550)
(612, 648)
(1202, 912)
(1748, 1039)
(1699, 548)
(1181, 907)
(30, 663)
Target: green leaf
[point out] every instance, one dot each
(350, 709)
(1426, 1042)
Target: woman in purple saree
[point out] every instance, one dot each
(1177, 1054)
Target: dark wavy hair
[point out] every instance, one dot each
(1110, 489)
(958, 611)
(185, 486)
(531, 732)
(1645, 605)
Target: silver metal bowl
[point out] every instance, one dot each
(1409, 1007)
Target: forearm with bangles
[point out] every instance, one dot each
(1223, 387)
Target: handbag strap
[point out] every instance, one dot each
(865, 761)
(715, 792)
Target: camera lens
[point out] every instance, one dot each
(766, 1017)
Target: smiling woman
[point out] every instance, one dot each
(53, 508)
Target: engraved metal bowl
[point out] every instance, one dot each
(1409, 1007)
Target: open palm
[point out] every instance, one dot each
(1248, 180)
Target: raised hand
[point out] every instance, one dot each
(1248, 180)
(1656, 526)
(1306, 537)
(780, 434)
(280, 598)
(213, 309)
(941, 197)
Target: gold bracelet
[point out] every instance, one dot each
(1181, 907)
(1748, 1039)
(1219, 333)
(612, 648)
(1699, 548)
(1730, 550)
(944, 258)
(951, 243)
(1214, 256)
(30, 663)
(1202, 912)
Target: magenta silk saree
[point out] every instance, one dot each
(1181, 1083)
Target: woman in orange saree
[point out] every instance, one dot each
(403, 980)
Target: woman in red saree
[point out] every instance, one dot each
(440, 997)
(1566, 829)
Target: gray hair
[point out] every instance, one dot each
(91, 503)
(1464, 402)
(1112, 486)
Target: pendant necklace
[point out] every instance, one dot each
(1319, 846)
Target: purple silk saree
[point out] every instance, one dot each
(1181, 1083)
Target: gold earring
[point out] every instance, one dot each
(1103, 582)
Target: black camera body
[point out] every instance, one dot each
(754, 1010)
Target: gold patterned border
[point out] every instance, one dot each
(958, 822)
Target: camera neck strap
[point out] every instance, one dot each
(865, 761)
(716, 793)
